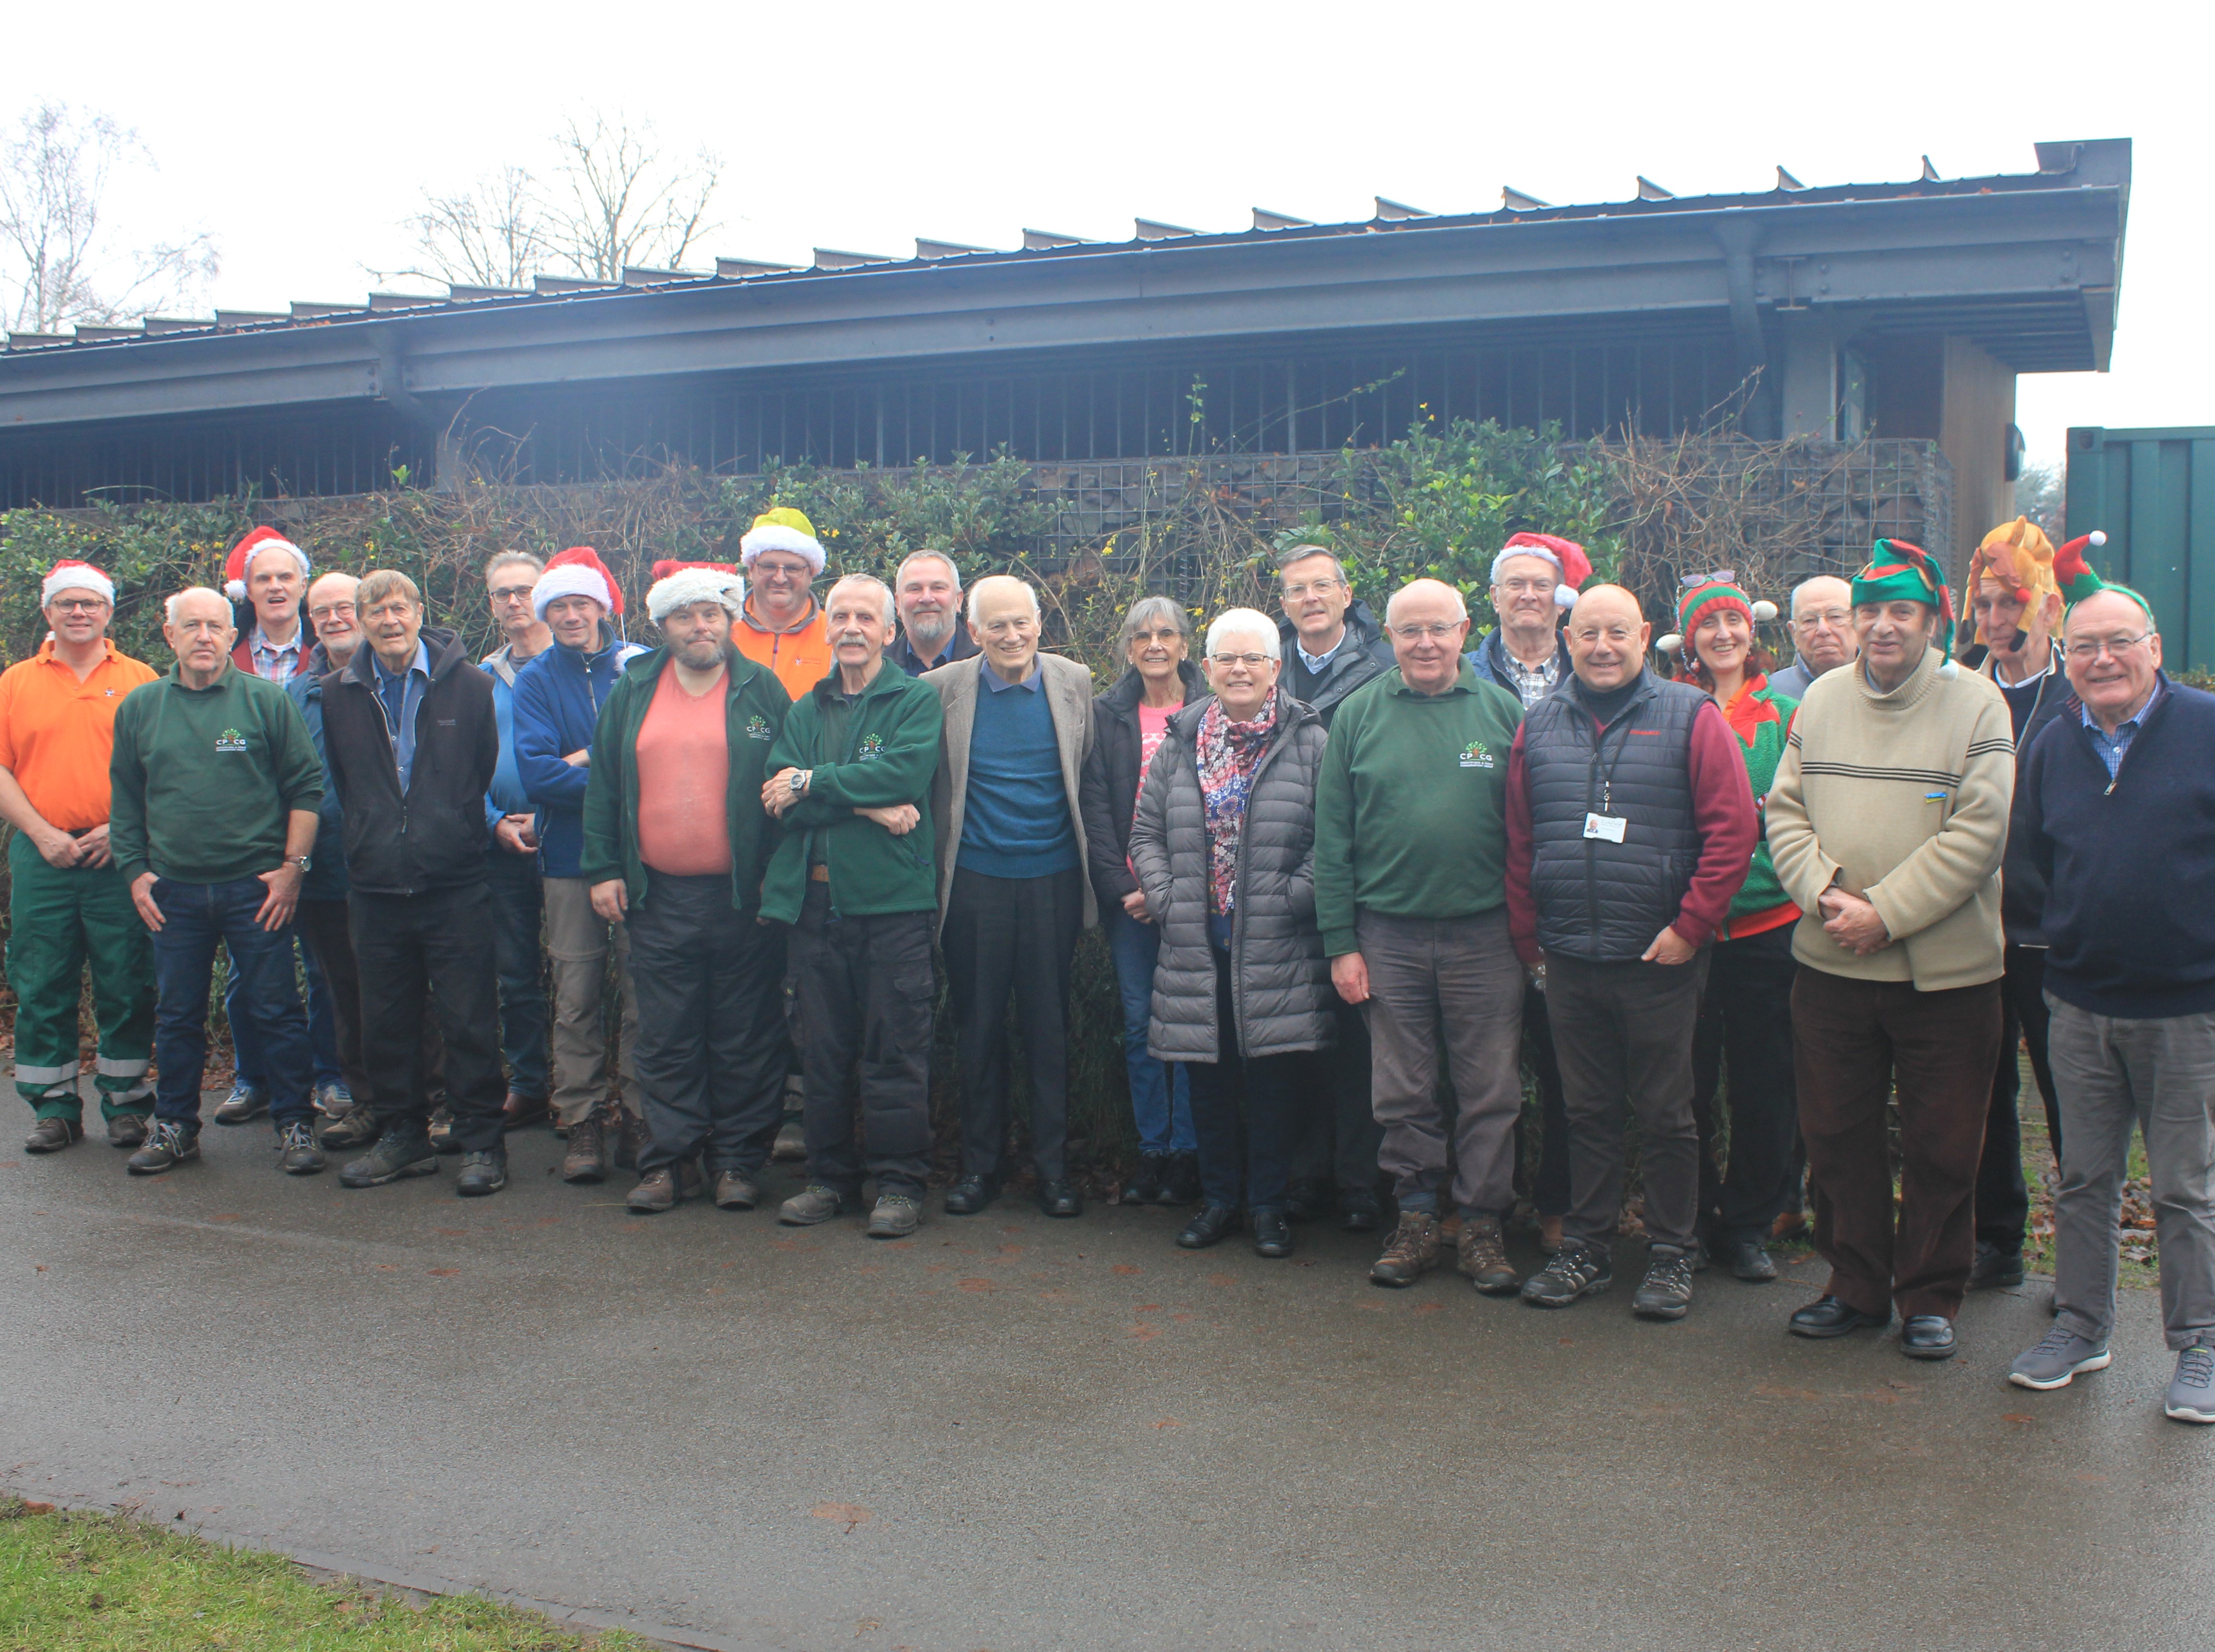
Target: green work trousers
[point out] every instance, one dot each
(58, 921)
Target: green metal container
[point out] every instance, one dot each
(2153, 492)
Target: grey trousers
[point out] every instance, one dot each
(1622, 1033)
(2160, 1075)
(577, 943)
(1454, 981)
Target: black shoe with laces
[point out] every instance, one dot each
(297, 1152)
(400, 1152)
(1994, 1269)
(1575, 1271)
(483, 1173)
(1665, 1292)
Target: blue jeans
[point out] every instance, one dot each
(323, 1029)
(1161, 1100)
(195, 917)
(517, 900)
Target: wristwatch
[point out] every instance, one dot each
(300, 861)
(798, 783)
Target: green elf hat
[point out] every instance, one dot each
(1900, 572)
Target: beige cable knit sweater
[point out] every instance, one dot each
(1903, 799)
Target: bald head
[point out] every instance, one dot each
(1607, 599)
(199, 632)
(1607, 637)
(1822, 623)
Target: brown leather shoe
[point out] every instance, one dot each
(663, 1187)
(1411, 1252)
(127, 1130)
(355, 1129)
(52, 1135)
(1482, 1257)
(588, 1158)
(735, 1190)
(631, 1138)
(521, 1112)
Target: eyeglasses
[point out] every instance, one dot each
(329, 609)
(1720, 577)
(77, 605)
(1833, 617)
(1165, 636)
(2091, 648)
(1425, 632)
(511, 593)
(1311, 588)
(1251, 661)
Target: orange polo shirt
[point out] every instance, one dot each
(798, 658)
(56, 733)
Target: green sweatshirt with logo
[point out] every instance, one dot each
(1411, 806)
(204, 779)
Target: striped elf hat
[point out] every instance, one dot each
(1900, 572)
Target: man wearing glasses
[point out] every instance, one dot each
(783, 628)
(1822, 627)
(67, 904)
(512, 852)
(1333, 644)
(2117, 810)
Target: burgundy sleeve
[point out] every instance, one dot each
(1522, 908)
(1722, 811)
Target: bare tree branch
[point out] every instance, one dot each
(493, 235)
(621, 205)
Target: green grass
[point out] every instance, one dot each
(84, 1581)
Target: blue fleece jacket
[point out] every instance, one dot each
(2127, 862)
(327, 873)
(507, 796)
(556, 706)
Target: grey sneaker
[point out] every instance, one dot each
(1575, 1271)
(2060, 1355)
(812, 1203)
(1666, 1291)
(895, 1216)
(126, 1130)
(334, 1099)
(2190, 1396)
(167, 1145)
(245, 1102)
(297, 1152)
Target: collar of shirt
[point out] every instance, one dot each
(996, 683)
(2130, 725)
(421, 662)
(263, 650)
(1315, 663)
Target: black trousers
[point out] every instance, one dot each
(1550, 1184)
(1745, 1024)
(1241, 1111)
(1012, 938)
(2002, 1197)
(439, 943)
(710, 1052)
(1336, 1132)
(329, 935)
(865, 996)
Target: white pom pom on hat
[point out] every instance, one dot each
(1764, 611)
(1670, 644)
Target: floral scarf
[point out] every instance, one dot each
(1226, 755)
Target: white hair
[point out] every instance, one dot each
(891, 613)
(1461, 605)
(1028, 589)
(1840, 579)
(169, 604)
(952, 567)
(1233, 620)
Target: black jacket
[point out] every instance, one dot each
(902, 653)
(434, 837)
(1107, 790)
(1363, 655)
(2022, 880)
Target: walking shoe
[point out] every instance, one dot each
(1059, 1199)
(2060, 1355)
(1994, 1268)
(1209, 1224)
(1144, 1186)
(895, 1216)
(356, 1129)
(1750, 1260)
(1789, 1224)
(1576, 1269)
(1181, 1183)
(1665, 1292)
(483, 1173)
(811, 1204)
(126, 1130)
(971, 1195)
(1411, 1252)
(1272, 1234)
(166, 1144)
(2190, 1396)
(519, 1112)
(791, 1141)
(1482, 1256)
(52, 1135)
(1306, 1198)
(632, 1139)
(1828, 1316)
(297, 1152)
(586, 1159)
(441, 1130)
(245, 1102)
(1359, 1211)
(400, 1152)
(334, 1099)
(658, 1189)
(1928, 1336)
(736, 1190)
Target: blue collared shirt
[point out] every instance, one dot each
(1034, 681)
(1315, 663)
(401, 695)
(2114, 747)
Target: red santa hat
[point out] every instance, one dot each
(239, 566)
(577, 571)
(680, 585)
(1571, 566)
(69, 574)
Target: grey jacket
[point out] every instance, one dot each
(1280, 987)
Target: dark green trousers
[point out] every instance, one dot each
(57, 922)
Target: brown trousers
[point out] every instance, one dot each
(1855, 1043)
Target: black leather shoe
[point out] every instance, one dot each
(1827, 1316)
(971, 1195)
(1208, 1226)
(1994, 1269)
(1144, 1186)
(1928, 1336)
(1360, 1212)
(1059, 1199)
(1750, 1260)
(1272, 1234)
(1306, 1198)
(1181, 1183)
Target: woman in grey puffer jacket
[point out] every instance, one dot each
(1223, 846)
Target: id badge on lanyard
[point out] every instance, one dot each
(1608, 827)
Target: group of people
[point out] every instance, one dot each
(1357, 877)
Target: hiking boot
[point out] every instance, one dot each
(1144, 1186)
(736, 1190)
(587, 1160)
(2190, 1396)
(441, 1131)
(2054, 1362)
(167, 1144)
(632, 1139)
(658, 1189)
(1575, 1271)
(126, 1130)
(811, 1204)
(895, 1216)
(1482, 1256)
(297, 1152)
(1994, 1269)
(1181, 1181)
(358, 1128)
(1411, 1252)
(245, 1102)
(400, 1152)
(1360, 1211)
(52, 1135)
(1665, 1292)
(1750, 1260)
(483, 1173)
(334, 1099)
(791, 1141)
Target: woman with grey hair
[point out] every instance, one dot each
(1224, 843)
(1130, 721)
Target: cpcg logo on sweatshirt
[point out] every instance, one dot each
(757, 728)
(230, 740)
(1473, 756)
(872, 746)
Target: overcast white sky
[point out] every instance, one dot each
(301, 139)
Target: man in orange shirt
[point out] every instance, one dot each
(67, 901)
(782, 626)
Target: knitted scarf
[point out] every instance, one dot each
(1226, 755)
